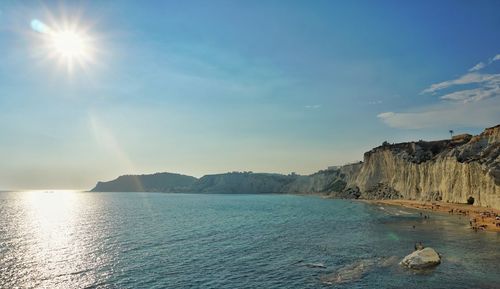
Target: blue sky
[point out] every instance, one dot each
(201, 87)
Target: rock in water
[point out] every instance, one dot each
(421, 259)
(315, 265)
(349, 273)
(355, 271)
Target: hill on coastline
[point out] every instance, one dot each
(159, 182)
(243, 183)
(450, 170)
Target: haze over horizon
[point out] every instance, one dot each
(210, 87)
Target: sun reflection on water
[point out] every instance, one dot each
(53, 213)
(56, 240)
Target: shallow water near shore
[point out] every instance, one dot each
(154, 240)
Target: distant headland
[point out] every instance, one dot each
(455, 170)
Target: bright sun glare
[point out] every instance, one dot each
(66, 43)
(69, 44)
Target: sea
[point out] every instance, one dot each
(67, 239)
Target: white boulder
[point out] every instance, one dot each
(421, 259)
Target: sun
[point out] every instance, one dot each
(70, 45)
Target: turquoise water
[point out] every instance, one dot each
(152, 240)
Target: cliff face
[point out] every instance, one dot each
(326, 181)
(449, 170)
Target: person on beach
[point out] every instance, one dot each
(419, 246)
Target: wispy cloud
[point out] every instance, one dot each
(475, 94)
(473, 77)
(469, 78)
(488, 85)
(478, 66)
(474, 102)
(443, 115)
(313, 106)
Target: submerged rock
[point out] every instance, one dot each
(357, 270)
(386, 262)
(421, 259)
(316, 265)
(349, 273)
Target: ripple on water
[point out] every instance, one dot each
(128, 240)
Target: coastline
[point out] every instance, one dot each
(480, 218)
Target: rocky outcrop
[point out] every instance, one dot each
(325, 181)
(447, 170)
(380, 191)
(421, 259)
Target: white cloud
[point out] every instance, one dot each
(476, 104)
(386, 115)
(479, 114)
(468, 78)
(314, 106)
(475, 94)
(478, 66)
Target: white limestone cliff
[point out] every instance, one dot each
(449, 171)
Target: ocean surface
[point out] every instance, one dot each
(154, 240)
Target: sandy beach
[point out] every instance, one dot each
(480, 218)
